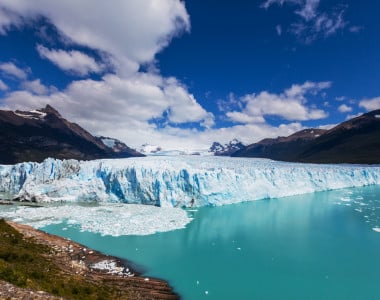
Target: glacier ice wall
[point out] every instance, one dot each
(176, 181)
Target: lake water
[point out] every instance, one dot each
(318, 246)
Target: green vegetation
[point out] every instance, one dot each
(27, 264)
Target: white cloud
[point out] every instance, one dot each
(341, 98)
(116, 105)
(370, 104)
(290, 105)
(344, 108)
(349, 117)
(12, 70)
(268, 3)
(308, 10)
(3, 86)
(313, 23)
(7, 19)
(123, 108)
(35, 86)
(279, 30)
(130, 32)
(356, 29)
(71, 61)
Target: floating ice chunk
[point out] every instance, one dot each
(377, 229)
(106, 219)
(111, 267)
(345, 199)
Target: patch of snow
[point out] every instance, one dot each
(40, 113)
(109, 142)
(377, 116)
(33, 114)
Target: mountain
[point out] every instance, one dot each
(281, 148)
(227, 149)
(354, 141)
(38, 134)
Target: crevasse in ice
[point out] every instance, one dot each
(181, 181)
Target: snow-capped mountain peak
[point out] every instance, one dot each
(226, 149)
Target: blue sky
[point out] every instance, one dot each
(184, 74)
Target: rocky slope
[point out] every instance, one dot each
(354, 141)
(37, 265)
(38, 134)
(281, 148)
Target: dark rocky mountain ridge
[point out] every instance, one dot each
(281, 148)
(38, 134)
(354, 141)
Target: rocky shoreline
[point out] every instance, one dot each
(93, 266)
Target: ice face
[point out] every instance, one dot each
(176, 181)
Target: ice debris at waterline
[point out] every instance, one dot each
(176, 181)
(105, 219)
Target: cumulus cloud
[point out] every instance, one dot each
(356, 29)
(126, 35)
(12, 70)
(290, 105)
(35, 86)
(131, 32)
(124, 108)
(313, 23)
(128, 104)
(341, 98)
(370, 104)
(344, 108)
(72, 61)
(7, 19)
(3, 86)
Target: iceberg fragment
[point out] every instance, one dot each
(176, 181)
(105, 219)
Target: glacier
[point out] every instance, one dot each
(178, 181)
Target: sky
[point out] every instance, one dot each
(183, 74)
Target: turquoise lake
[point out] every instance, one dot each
(316, 246)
